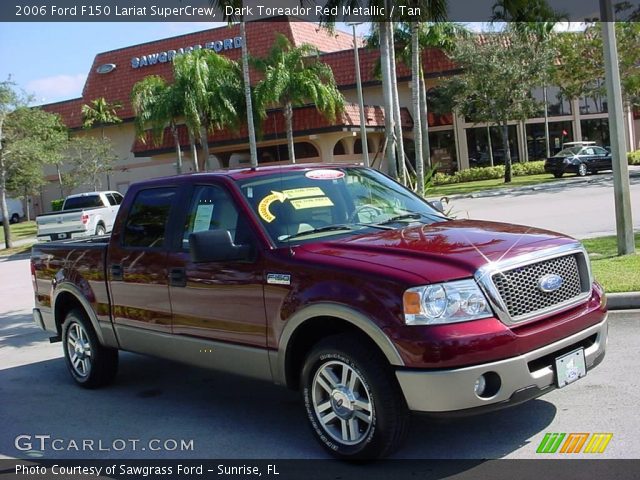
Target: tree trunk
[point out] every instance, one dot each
(546, 121)
(27, 201)
(3, 204)
(176, 139)
(204, 140)
(490, 143)
(60, 180)
(390, 141)
(507, 153)
(247, 95)
(194, 152)
(415, 98)
(288, 118)
(396, 104)
(424, 111)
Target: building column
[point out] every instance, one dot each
(523, 151)
(460, 137)
(577, 128)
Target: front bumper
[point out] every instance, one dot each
(521, 378)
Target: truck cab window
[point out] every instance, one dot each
(212, 208)
(147, 218)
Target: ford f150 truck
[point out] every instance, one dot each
(82, 215)
(333, 280)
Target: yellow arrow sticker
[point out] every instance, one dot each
(303, 192)
(265, 203)
(311, 203)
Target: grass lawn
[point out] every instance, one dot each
(15, 250)
(20, 230)
(470, 187)
(616, 274)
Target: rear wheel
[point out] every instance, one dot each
(558, 174)
(100, 230)
(353, 402)
(582, 170)
(15, 218)
(91, 364)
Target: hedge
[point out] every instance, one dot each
(489, 173)
(634, 157)
(56, 205)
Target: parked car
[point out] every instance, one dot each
(82, 215)
(580, 158)
(332, 280)
(16, 211)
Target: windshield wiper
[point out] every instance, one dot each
(326, 228)
(404, 216)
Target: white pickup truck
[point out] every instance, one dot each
(82, 215)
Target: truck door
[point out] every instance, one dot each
(219, 301)
(137, 269)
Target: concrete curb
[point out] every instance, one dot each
(623, 301)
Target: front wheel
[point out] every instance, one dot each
(352, 399)
(15, 218)
(91, 364)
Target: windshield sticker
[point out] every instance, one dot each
(311, 203)
(204, 213)
(324, 174)
(303, 192)
(265, 203)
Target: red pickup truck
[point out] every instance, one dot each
(333, 280)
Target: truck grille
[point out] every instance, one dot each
(520, 289)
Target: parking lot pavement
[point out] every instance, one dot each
(222, 416)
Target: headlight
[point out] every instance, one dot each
(441, 303)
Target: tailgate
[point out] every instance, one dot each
(61, 222)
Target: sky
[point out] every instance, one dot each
(51, 60)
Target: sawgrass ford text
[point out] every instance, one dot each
(145, 470)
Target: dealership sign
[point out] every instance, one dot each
(164, 57)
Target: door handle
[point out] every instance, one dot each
(116, 272)
(177, 277)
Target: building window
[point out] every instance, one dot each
(596, 130)
(357, 146)
(339, 149)
(596, 102)
(557, 104)
(442, 148)
(478, 144)
(559, 133)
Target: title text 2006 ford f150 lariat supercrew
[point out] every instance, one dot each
(333, 280)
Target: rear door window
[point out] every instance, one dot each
(146, 224)
(86, 201)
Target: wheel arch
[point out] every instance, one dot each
(311, 324)
(68, 297)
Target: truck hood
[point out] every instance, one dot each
(438, 252)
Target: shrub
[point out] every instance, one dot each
(634, 157)
(488, 173)
(56, 205)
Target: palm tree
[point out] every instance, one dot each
(212, 93)
(100, 112)
(293, 76)
(157, 105)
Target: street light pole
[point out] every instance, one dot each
(622, 197)
(363, 123)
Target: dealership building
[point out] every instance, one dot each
(455, 143)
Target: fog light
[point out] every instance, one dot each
(480, 386)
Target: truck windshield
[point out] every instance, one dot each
(87, 201)
(305, 205)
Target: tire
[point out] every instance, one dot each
(91, 365)
(582, 170)
(15, 218)
(348, 385)
(558, 174)
(100, 230)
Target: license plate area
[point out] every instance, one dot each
(62, 236)
(570, 367)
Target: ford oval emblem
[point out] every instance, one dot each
(106, 68)
(550, 283)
